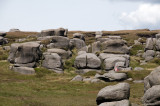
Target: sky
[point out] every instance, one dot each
(85, 15)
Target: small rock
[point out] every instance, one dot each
(138, 81)
(77, 78)
(138, 69)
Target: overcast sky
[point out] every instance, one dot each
(87, 15)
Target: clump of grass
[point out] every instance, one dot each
(135, 49)
(41, 72)
(3, 54)
(90, 73)
(156, 61)
(134, 61)
(69, 64)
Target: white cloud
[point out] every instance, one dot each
(146, 16)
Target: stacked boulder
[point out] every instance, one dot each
(86, 62)
(116, 95)
(152, 88)
(2, 39)
(24, 56)
(152, 48)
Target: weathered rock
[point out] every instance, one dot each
(83, 71)
(59, 42)
(87, 80)
(24, 70)
(109, 63)
(157, 45)
(54, 32)
(23, 53)
(114, 37)
(77, 43)
(152, 79)
(138, 81)
(149, 54)
(62, 53)
(152, 96)
(138, 69)
(149, 44)
(79, 36)
(103, 39)
(3, 40)
(158, 36)
(2, 34)
(98, 34)
(77, 78)
(20, 40)
(52, 61)
(87, 60)
(117, 92)
(113, 76)
(33, 64)
(95, 80)
(14, 30)
(116, 103)
(117, 46)
(96, 47)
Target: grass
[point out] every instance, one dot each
(135, 49)
(3, 54)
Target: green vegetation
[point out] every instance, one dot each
(3, 54)
(135, 49)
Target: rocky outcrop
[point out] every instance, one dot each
(77, 43)
(113, 93)
(2, 34)
(117, 46)
(3, 40)
(14, 30)
(98, 34)
(87, 60)
(59, 42)
(152, 96)
(152, 79)
(53, 62)
(54, 32)
(96, 47)
(24, 53)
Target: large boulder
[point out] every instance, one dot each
(2, 34)
(149, 55)
(109, 63)
(96, 47)
(52, 61)
(24, 53)
(59, 42)
(79, 36)
(113, 76)
(152, 96)
(149, 44)
(54, 32)
(63, 53)
(87, 60)
(117, 46)
(116, 103)
(77, 43)
(152, 79)
(3, 40)
(113, 93)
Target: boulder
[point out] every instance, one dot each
(157, 45)
(24, 70)
(113, 93)
(114, 37)
(96, 47)
(113, 76)
(54, 32)
(95, 80)
(152, 96)
(152, 79)
(83, 71)
(87, 60)
(77, 78)
(3, 40)
(77, 43)
(158, 36)
(24, 53)
(98, 34)
(2, 34)
(149, 55)
(117, 46)
(62, 53)
(116, 103)
(59, 42)
(14, 30)
(149, 44)
(79, 36)
(109, 63)
(52, 61)
(81, 52)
